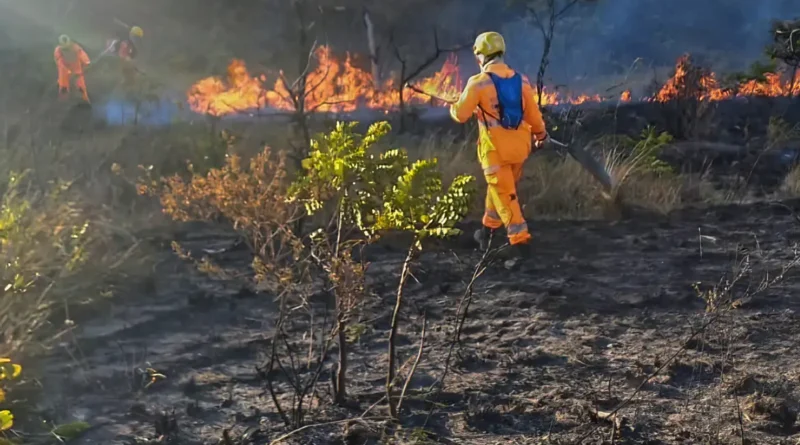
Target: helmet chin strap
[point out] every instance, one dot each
(483, 61)
(486, 61)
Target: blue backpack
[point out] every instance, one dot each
(509, 100)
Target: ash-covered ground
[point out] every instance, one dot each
(580, 330)
(653, 329)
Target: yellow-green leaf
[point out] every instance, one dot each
(9, 370)
(6, 420)
(338, 166)
(2, 395)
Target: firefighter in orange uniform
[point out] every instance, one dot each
(510, 124)
(70, 59)
(124, 47)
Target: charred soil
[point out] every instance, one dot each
(547, 352)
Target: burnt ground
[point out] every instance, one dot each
(600, 306)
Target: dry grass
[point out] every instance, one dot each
(44, 240)
(552, 187)
(791, 183)
(556, 187)
(73, 221)
(562, 188)
(456, 156)
(780, 132)
(559, 188)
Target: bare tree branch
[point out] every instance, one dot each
(407, 75)
(417, 359)
(554, 14)
(566, 8)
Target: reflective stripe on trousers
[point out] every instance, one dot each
(491, 219)
(501, 200)
(516, 229)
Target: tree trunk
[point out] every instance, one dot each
(402, 105)
(390, 374)
(373, 49)
(402, 98)
(302, 84)
(543, 64)
(273, 360)
(341, 372)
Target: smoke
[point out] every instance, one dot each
(603, 37)
(599, 39)
(597, 42)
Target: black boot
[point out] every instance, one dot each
(483, 237)
(517, 254)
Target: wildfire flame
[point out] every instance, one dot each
(704, 85)
(774, 86)
(691, 81)
(336, 85)
(332, 86)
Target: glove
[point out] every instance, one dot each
(539, 143)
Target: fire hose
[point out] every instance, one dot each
(584, 158)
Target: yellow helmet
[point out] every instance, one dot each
(137, 32)
(64, 40)
(489, 44)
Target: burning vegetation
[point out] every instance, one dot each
(334, 85)
(702, 84)
(337, 85)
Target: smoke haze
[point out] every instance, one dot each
(598, 39)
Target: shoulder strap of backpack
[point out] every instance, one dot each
(493, 77)
(518, 78)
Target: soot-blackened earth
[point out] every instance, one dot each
(546, 351)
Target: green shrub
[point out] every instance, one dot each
(43, 239)
(376, 193)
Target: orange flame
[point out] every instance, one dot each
(774, 86)
(333, 86)
(689, 80)
(709, 88)
(215, 97)
(339, 86)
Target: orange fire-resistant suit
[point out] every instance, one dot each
(126, 51)
(70, 60)
(501, 151)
